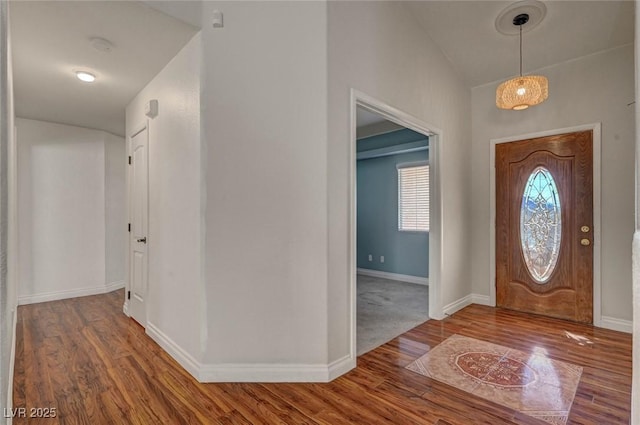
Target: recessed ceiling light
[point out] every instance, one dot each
(85, 76)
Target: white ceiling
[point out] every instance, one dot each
(369, 124)
(50, 39)
(189, 11)
(465, 32)
(365, 118)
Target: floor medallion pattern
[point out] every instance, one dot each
(530, 383)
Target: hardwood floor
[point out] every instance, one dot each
(96, 366)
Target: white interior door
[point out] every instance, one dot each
(139, 224)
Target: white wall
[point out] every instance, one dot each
(635, 389)
(175, 316)
(8, 227)
(62, 212)
(265, 125)
(592, 89)
(115, 167)
(378, 48)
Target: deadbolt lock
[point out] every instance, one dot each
(585, 229)
(585, 242)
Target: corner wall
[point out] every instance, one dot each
(174, 303)
(592, 89)
(115, 201)
(264, 122)
(63, 215)
(8, 216)
(635, 382)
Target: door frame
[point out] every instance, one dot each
(597, 187)
(435, 204)
(140, 126)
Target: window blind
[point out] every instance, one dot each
(413, 198)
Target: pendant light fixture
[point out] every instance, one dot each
(523, 91)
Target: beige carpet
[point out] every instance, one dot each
(386, 309)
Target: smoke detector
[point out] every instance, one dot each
(101, 44)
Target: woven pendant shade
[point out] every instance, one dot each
(525, 90)
(521, 92)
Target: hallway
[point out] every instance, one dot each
(96, 366)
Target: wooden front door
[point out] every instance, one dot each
(544, 226)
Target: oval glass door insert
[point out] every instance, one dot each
(540, 224)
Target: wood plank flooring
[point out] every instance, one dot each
(96, 366)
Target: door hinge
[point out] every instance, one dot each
(129, 227)
(129, 159)
(128, 295)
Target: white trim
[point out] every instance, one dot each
(458, 304)
(185, 359)
(234, 372)
(394, 276)
(69, 293)
(340, 367)
(12, 363)
(125, 308)
(616, 324)
(461, 303)
(392, 150)
(411, 164)
(276, 372)
(597, 187)
(480, 299)
(435, 229)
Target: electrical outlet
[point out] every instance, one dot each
(370, 257)
(382, 258)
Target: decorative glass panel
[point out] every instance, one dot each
(540, 224)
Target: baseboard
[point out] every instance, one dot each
(185, 359)
(12, 363)
(125, 308)
(616, 324)
(69, 293)
(480, 299)
(250, 372)
(394, 276)
(114, 286)
(274, 372)
(459, 304)
(340, 367)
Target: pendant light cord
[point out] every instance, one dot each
(520, 50)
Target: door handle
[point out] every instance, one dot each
(143, 240)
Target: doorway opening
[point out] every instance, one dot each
(395, 223)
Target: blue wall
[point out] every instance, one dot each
(378, 234)
(394, 138)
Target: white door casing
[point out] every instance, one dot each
(390, 113)
(138, 211)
